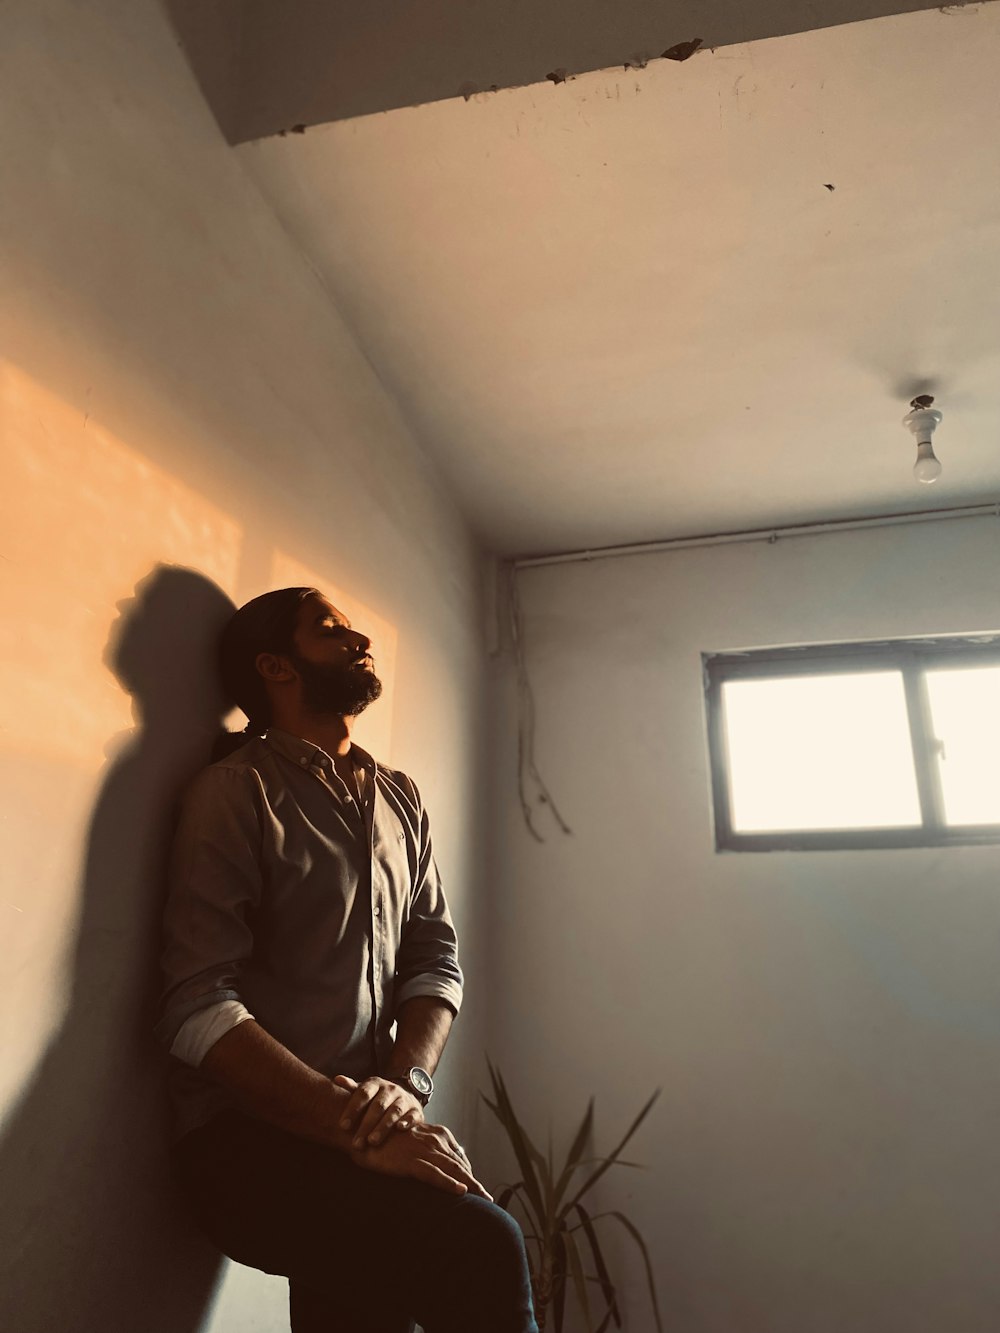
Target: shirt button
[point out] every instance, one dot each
(378, 909)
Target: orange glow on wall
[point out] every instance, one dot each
(84, 518)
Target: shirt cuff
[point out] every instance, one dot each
(429, 984)
(199, 1033)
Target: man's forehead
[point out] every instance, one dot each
(318, 608)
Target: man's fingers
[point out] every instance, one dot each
(431, 1175)
(411, 1118)
(383, 1126)
(365, 1123)
(477, 1187)
(359, 1099)
(455, 1146)
(451, 1143)
(452, 1169)
(453, 1166)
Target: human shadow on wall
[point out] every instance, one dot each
(92, 1238)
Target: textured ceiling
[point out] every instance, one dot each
(269, 67)
(631, 306)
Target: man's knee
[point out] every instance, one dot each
(492, 1246)
(490, 1225)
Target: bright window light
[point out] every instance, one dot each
(965, 713)
(888, 743)
(820, 752)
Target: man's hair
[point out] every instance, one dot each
(264, 625)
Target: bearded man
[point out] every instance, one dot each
(304, 919)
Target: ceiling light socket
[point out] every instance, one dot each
(921, 421)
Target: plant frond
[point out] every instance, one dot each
(633, 1231)
(605, 1321)
(524, 1150)
(610, 1160)
(517, 1193)
(580, 1140)
(558, 1293)
(619, 1161)
(505, 1195)
(579, 1282)
(604, 1277)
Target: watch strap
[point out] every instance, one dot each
(404, 1081)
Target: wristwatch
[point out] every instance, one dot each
(417, 1081)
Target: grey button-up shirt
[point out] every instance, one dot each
(320, 913)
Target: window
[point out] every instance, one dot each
(893, 744)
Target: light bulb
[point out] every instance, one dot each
(922, 421)
(926, 468)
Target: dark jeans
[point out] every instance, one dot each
(363, 1253)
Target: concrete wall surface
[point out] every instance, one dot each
(824, 1155)
(186, 421)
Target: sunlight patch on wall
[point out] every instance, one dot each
(373, 729)
(84, 517)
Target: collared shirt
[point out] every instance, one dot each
(319, 909)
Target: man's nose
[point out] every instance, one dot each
(362, 645)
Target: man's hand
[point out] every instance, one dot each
(376, 1107)
(429, 1153)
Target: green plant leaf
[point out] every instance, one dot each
(610, 1160)
(604, 1277)
(505, 1195)
(605, 1321)
(530, 1225)
(579, 1281)
(634, 1233)
(558, 1280)
(575, 1153)
(619, 1161)
(524, 1150)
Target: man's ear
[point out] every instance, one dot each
(274, 668)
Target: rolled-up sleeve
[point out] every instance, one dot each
(427, 962)
(214, 887)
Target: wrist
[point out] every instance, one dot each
(416, 1081)
(328, 1109)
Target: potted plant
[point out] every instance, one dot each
(561, 1232)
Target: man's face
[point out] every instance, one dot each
(332, 661)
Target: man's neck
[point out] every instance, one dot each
(331, 733)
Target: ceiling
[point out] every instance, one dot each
(268, 68)
(630, 306)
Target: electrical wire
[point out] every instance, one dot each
(528, 776)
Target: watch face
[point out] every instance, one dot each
(422, 1081)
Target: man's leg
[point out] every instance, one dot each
(384, 1249)
(312, 1311)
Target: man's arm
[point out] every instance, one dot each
(378, 1105)
(422, 1027)
(273, 1085)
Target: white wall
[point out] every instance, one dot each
(825, 1154)
(185, 419)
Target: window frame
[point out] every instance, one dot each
(913, 658)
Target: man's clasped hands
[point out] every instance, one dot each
(392, 1136)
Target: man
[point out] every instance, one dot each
(304, 918)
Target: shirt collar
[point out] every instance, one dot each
(305, 754)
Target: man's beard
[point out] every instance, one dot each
(341, 691)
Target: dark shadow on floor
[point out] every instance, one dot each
(91, 1237)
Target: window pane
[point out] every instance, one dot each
(820, 752)
(965, 711)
